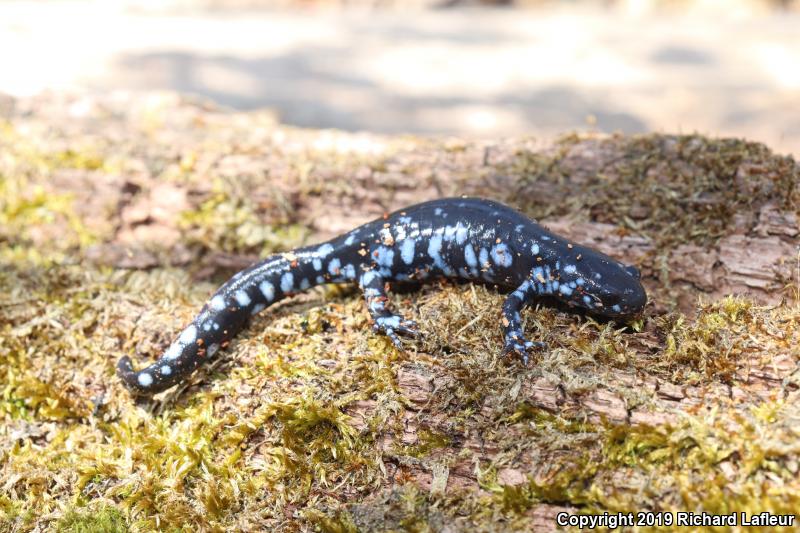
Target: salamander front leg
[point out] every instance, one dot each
(385, 322)
(515, 342)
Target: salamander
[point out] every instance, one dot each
(471, 239)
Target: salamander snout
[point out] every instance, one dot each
(632, 299)
(624, 299)
(603, 286)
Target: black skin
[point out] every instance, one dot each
(468, 239)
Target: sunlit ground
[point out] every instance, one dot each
(718, 68)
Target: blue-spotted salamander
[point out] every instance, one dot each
(470, 239)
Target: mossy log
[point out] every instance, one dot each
(120, 214)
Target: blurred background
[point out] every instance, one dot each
(475, 69)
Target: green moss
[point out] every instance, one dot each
(673, 189)
(78, 159)
(106, 519)
(15, 514)
(229, 220)
(542, 419)
(716, 342)
(701, 463)
(339, 522)
(26, 207)
(274, 433)
(428, 440)
(683, 460)
(216, 453)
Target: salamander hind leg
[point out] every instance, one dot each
(385, 321)
(515, 342)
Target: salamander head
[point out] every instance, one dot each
(603, 286)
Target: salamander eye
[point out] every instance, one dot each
(633, 271)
